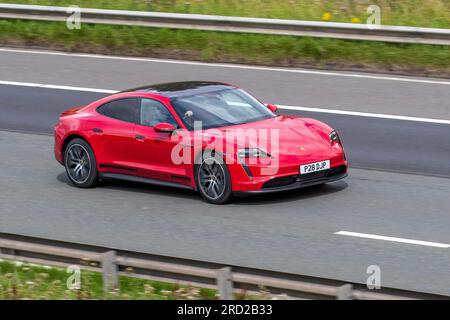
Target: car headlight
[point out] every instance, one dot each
(252, 153)
(334, 137)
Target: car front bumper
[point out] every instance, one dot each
(298, 181)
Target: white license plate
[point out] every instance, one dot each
(314, 167)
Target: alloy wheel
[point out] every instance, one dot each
(212, 179)
(78, 163)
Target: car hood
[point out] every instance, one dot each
(289, 135)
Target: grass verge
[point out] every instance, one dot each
(207, 46)
(421, 13)
(23, 281)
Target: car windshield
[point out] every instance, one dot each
(220, 108)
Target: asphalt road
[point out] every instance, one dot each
(308, 88)
(293, 232)
(394, 145)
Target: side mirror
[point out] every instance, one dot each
(164, 127)
(272, 107)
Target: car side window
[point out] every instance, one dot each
(123, 109)
(154, 112)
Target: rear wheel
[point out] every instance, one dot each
(80, 163)
(214, 181)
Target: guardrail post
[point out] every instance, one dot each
(109, 270)
(225, 283)
(345, 292)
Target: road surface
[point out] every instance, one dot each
(398, 187)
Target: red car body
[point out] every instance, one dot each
(131, 150)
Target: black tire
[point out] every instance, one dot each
(80, 164)
(219, 177)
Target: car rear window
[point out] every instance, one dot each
(123, 109)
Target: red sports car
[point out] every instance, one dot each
(207, 136)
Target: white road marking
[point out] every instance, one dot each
(366, 114)
(232, 66)
(393, 239)
(51, 86)
(308, 109)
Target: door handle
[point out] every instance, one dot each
(139, 137)
(96, 130)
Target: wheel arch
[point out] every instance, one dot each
(199, 155)
(69, 138)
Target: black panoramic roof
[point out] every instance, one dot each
(182, 89)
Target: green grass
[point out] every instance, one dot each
(23, 281)
(229, 47)
(425, 13)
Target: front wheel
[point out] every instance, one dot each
(214, 181)
(80, 163)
